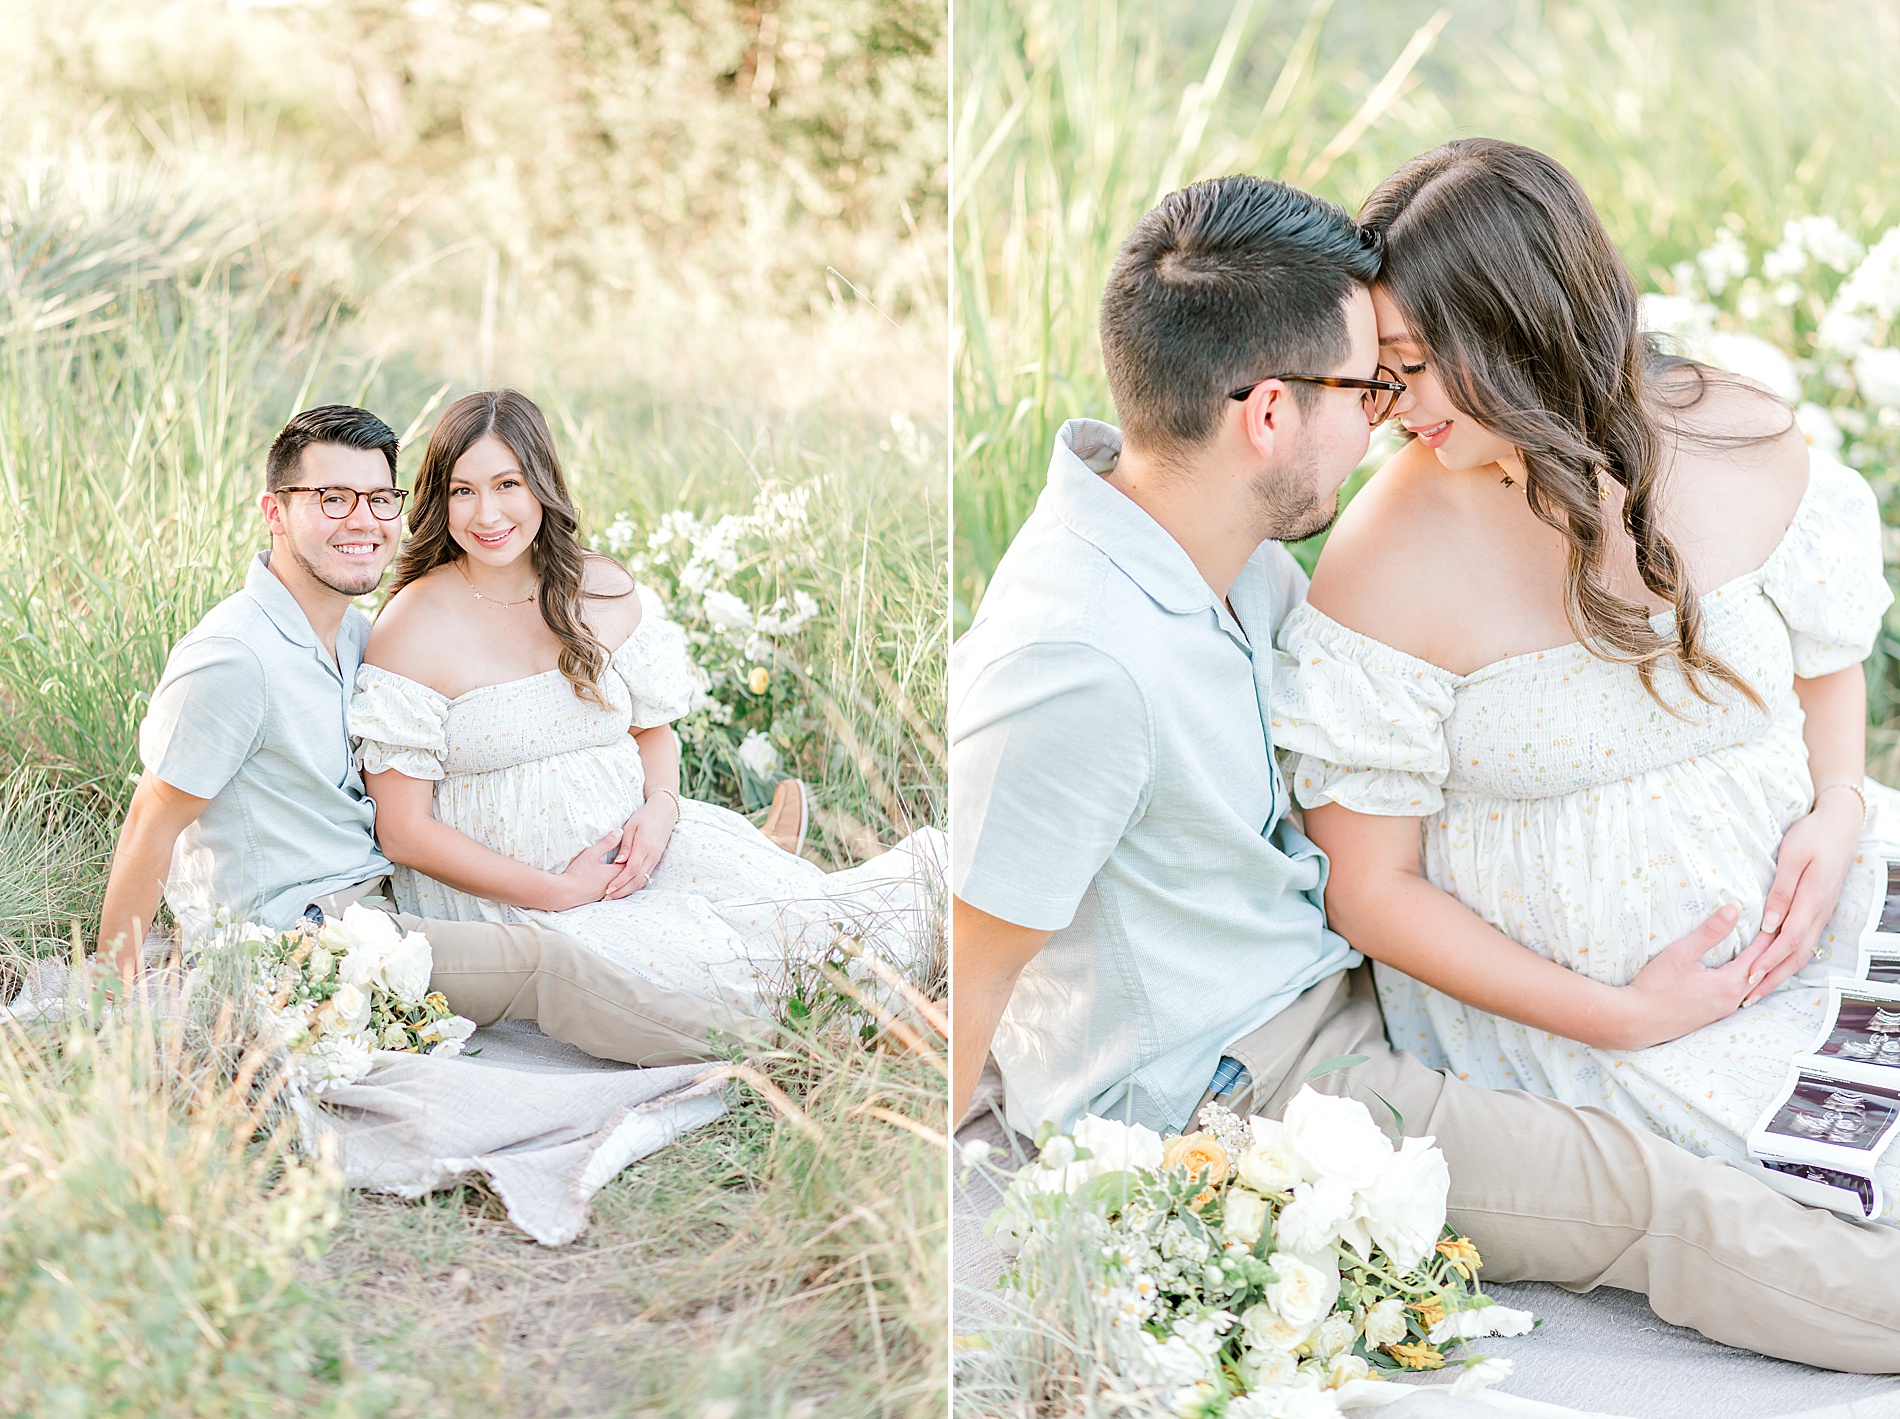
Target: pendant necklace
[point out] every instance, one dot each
(492, 601)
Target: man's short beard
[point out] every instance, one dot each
(297, 556)
(1287, 507)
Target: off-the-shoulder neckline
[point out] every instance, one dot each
(434, 693)
(1492, 667)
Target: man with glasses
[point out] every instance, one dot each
(1138, 924)
(250, 801)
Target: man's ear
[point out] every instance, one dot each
(1266, 416)
(273, 509)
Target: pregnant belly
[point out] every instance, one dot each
(544, 811)
(1603, 879)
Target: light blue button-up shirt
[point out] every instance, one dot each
(1112, 781)
(250, 713)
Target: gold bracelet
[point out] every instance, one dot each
(679, 808)
(1852, 788)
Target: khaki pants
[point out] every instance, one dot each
(1578, 1197)
(491, 972)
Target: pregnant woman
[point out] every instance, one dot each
(1581, 669)
(513, 720)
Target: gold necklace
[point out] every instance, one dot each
(493, 601)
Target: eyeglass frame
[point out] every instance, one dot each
(361, 496)
(1334, 381)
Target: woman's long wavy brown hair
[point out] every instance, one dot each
(1503, 271)
(513, 418)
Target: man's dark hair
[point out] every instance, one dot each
(327, 423)
(1224, 283)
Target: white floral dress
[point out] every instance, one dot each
(536, 773)
(1568, 809)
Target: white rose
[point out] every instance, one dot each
(758, 754)
(1481, 1321)
(1344, 1369)
(1268, 1165)
(1385, 1323)
(1335, 1138)
(1264, 1367)
(1405, 1205)
(1302, 1294)
(1335, 1336)
(394, 1036)
(1243, 1215)
(1118, 1147)
(405, 972)
(727, 611)
(319, 964)
(1268, 1330)
(350, 1008)
(1311, 1222)
(365, 937)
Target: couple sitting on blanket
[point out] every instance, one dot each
(1573, 708)
(494, 758)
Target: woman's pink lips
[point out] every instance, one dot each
(1438, 435)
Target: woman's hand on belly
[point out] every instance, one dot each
(1810, 867)
(1675, 994)
(643, 841)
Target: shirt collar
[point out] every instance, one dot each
(267, 591)
(1114, 523)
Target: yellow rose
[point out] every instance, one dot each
(1200, 1153)
(758, 679)
(1417, 1357)
(1462, 1255)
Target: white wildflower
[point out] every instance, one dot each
(1478, 1322)
(1481, 1373)
(1877, 372)
(1818, 427)
(727, 611)
(758, 754)
(1724, 260)
(453, 1033)
(1754, 358)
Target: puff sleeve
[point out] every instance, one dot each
(398, 724)
(1360, 724)
(652, 664)
(1827, 578)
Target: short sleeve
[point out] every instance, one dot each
(652, 664)
(1827, 578)
(398, 724)
(1362, 725)
(206, 716)
(1051, 754)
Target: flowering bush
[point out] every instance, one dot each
(1259, 1268)
(1815, 317)
(719, 580)
(334, 995)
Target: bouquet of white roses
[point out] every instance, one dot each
(335, 994)
(1259, 1269)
